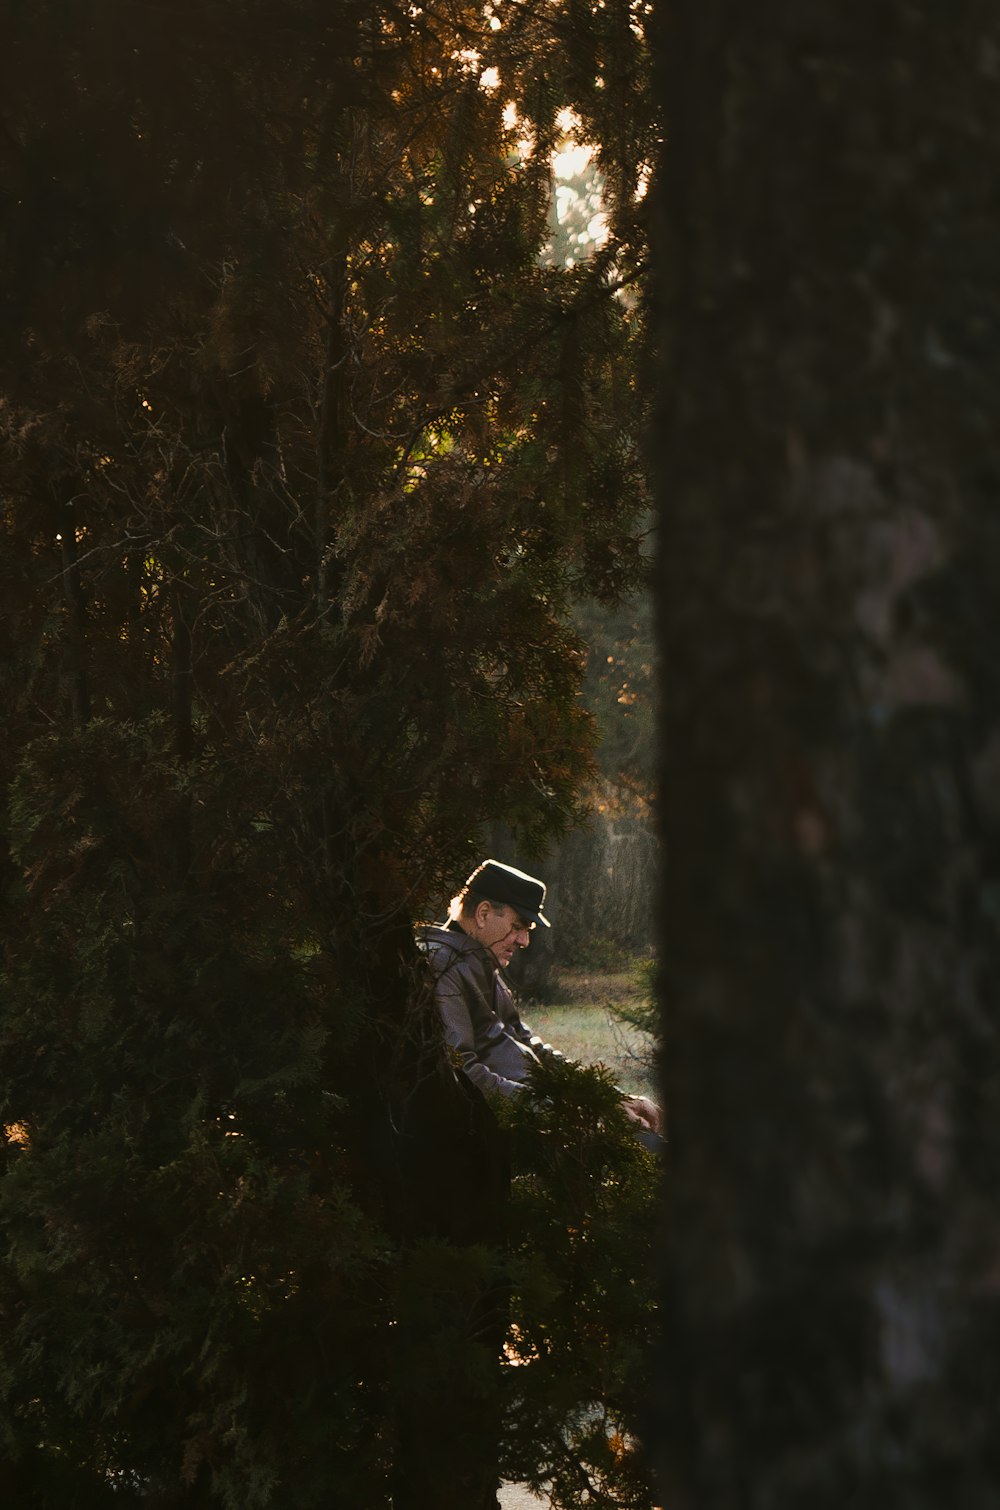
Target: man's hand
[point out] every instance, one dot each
(640, 1109)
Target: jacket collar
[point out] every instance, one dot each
(454, 936)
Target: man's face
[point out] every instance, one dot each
(503, 932)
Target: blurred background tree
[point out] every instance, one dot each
(829, 462)
(602, 873)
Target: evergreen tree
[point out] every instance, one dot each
(305, 456)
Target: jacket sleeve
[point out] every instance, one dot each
(452, 990)
(519, 1029)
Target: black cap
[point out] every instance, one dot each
(502, 883)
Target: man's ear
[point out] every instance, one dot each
(483, 910)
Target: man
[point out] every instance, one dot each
(492, 917)
(489, 920)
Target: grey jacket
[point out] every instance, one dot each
(496, 1049)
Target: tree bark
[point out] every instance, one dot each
(183, 714)
(828, 240)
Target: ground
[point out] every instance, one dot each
(580, 1021)
(517, 1497)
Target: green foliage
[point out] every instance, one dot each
(644, 1013)
(584, 1218)
(305, 456)
(178, 1246)
(601, 953)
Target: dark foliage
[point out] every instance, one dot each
(305, 455)
(584, 1315)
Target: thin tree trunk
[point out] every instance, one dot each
(831, 747)
(332, 439)
(183, 710)
(76, 617)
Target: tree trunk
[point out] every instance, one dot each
(76, 617)
(830, 634)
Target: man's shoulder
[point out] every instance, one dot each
(446, 947)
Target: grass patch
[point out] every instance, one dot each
(580, 1021)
